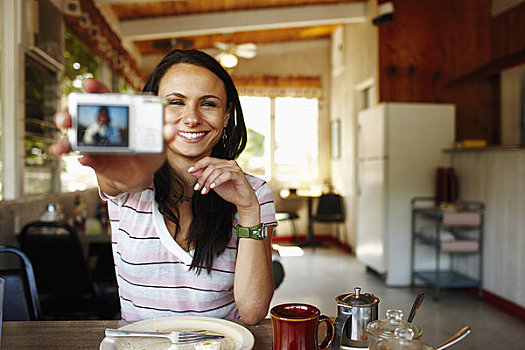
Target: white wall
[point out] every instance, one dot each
(12, 22)
(497, 178)
(360, 62)
(512, 85)
(14, 214)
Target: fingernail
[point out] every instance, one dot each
(191, 169)
(196, 186)
(212, 185)
(203, 190)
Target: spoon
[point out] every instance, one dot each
(455, 338)
(419, 298)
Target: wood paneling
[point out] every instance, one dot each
(259, 37)
(477, 113)
(152, 9)
(508, 32)
(173, 8)
(430, 43)
(508, 46)
(492, 68)
(277, 81)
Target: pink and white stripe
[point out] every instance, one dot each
(153, 270)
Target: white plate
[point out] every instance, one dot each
(236, 336)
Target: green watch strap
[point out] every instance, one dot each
(255, 232)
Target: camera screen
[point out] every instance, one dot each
(104, 126)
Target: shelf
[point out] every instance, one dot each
(490, 69)
(514, 147)
(467, 214)
(429, 212)
(425, 239)
(447, 279)
(462, 220)
(459, 246)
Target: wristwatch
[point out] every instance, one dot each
(257, 232)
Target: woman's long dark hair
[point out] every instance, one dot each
(210, 230)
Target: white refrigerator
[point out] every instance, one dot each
(399, 147)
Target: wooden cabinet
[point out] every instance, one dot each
(454, 231)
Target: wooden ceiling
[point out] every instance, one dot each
(147, 9)
(130, 13)
(163, 46)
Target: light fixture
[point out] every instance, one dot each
(227, 59)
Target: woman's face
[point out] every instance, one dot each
(196, 106)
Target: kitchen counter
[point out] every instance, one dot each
(486, 149)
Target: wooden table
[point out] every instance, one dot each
(79, 335)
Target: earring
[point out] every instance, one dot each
(224, 138)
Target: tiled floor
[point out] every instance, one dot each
(321, 274)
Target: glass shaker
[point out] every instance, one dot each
(50, 214)
(385, 329)
(404, 340)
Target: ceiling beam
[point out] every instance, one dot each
(245, 20)
(114, 2)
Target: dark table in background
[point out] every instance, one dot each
(98, 252)
(308, 195)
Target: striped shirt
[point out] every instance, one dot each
(152, 270)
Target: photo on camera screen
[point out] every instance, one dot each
(101, 125)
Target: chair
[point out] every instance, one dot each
(20, 293)
(100, 258)
(65, 284)
(330, 209)
(277, 273)
(283, 216)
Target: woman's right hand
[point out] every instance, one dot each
(115, 173)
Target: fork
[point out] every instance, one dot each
(174, 337)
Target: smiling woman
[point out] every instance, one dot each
(188, 225)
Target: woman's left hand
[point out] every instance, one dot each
(227, 179)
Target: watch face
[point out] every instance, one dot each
(255, 232)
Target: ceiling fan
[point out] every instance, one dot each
(170, 44)
(229, 52)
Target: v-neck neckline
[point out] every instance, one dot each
(165, 237)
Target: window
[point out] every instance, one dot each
(296, 144)
(41, 101)
(79, 64)
(282, 138)
(257, 116)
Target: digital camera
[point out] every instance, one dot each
(116, 123)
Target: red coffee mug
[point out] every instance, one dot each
(295, 327)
